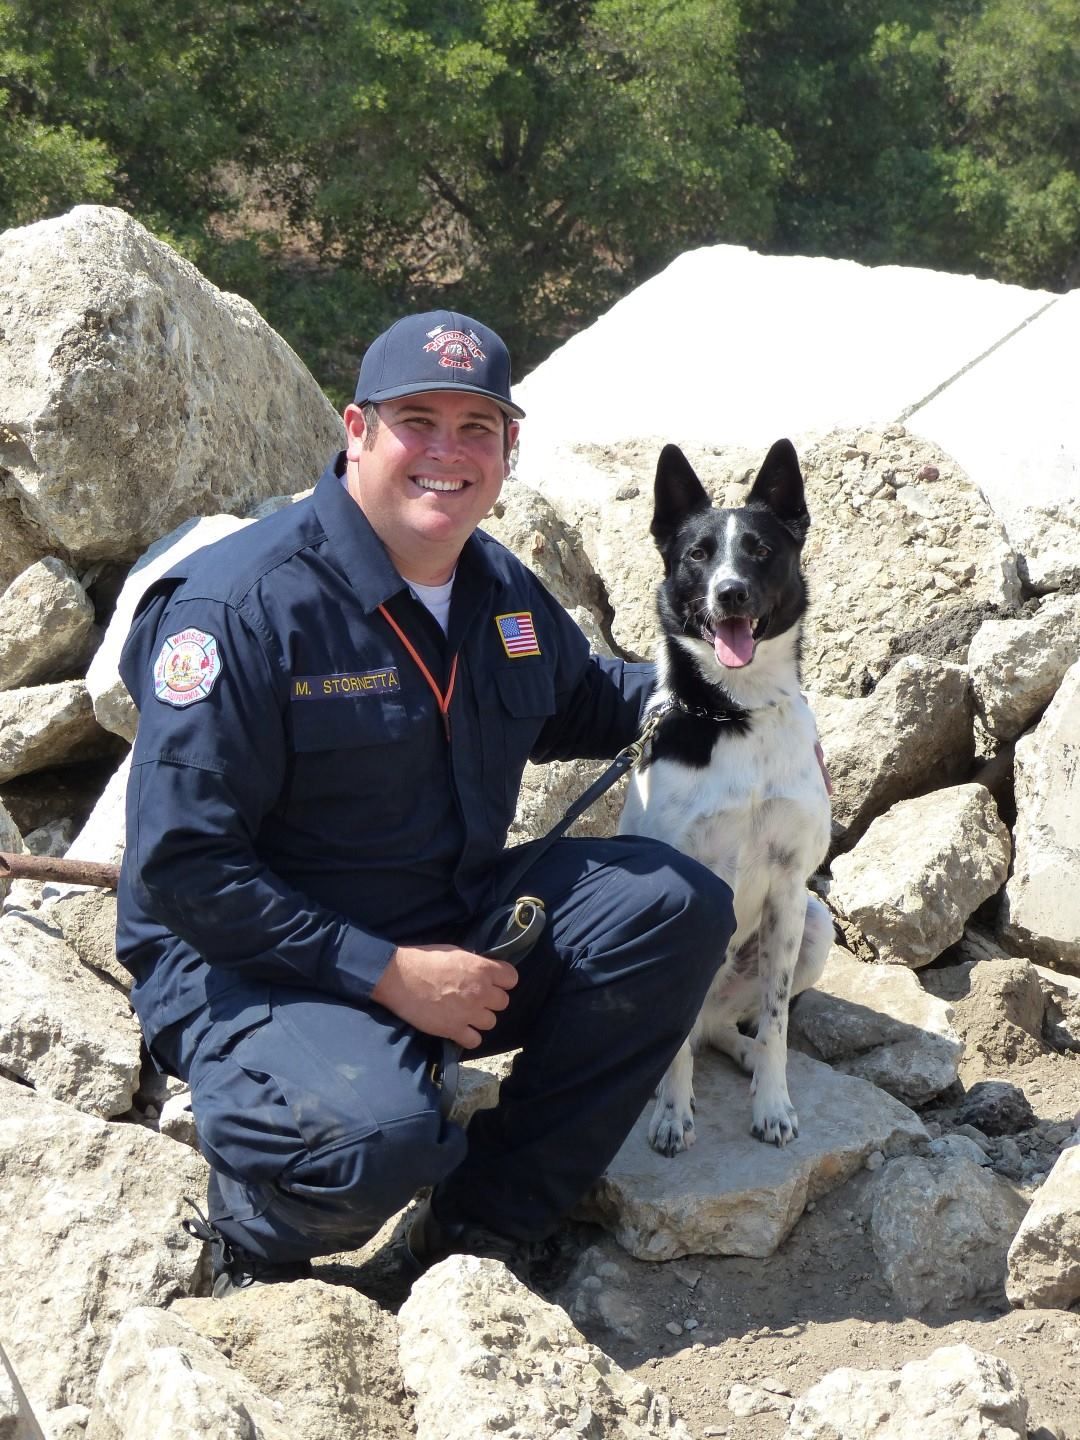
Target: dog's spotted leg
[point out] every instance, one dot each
(734, 997)
(783, 921)
(671, 1128)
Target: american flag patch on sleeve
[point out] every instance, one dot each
(517, 634)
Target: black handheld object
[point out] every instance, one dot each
(508, 933)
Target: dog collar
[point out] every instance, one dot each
(699, 712)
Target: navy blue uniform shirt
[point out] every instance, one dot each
(295, 807)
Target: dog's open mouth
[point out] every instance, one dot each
(734, 639)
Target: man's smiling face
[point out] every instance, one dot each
(432, 471)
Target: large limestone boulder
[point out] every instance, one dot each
(101, 1204)
(956, 1393)
(1044, 1258)
(61, 1028)
(135, 394)
(1041, 908)
(730, 1194)
(1017, 665)
(484, 1356)
(325, 1355)
(113, 706)
(877, 1022)
(905, 891)
(46, 725)
(160, 1378)
(902, 552)
(914, 732)
(46, 625)
(941, 1228)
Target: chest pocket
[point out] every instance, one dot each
(353, 756)
(346, 723)
(526, 701)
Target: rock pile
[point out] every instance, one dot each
(947, 702)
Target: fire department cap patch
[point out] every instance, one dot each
(517, 634)
(186, 668)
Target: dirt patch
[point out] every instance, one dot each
(946, 636)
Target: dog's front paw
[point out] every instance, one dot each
(671, 1128)
(774, 1119)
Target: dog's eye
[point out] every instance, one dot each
(697, 552)
(759, 550)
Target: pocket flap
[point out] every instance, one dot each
(528, 691)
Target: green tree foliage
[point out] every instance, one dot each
(526, 158)
(530, 160)
(1015, 171)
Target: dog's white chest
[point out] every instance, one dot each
(762, 796)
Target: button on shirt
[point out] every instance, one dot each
(306, 812)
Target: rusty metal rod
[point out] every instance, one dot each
(52, 867)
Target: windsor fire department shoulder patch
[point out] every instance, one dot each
(186, 668)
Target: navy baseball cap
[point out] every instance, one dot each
(438, 350)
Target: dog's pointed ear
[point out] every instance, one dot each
(779, 486)
(677, 493)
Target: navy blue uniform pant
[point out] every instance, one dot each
(320, 1118)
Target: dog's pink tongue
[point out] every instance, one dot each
(734, 643)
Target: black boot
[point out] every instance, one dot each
(428, 1240)
(234, 1269)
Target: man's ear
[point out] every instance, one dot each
(355, 430)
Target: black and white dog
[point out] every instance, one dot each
(731, 776)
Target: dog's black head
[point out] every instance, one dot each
(731, 577)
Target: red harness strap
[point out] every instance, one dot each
(443, 700)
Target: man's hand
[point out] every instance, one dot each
(445, 991)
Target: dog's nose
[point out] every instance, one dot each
(731, 595)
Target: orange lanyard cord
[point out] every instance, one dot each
(443, 700)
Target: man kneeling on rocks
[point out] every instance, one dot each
(336, 706)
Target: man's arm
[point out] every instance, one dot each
(599, 700)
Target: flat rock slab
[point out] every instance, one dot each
(730, 1194)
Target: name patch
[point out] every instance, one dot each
(186, 667)
(355, 682)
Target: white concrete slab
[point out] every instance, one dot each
(730, 347)
(1013, 423)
